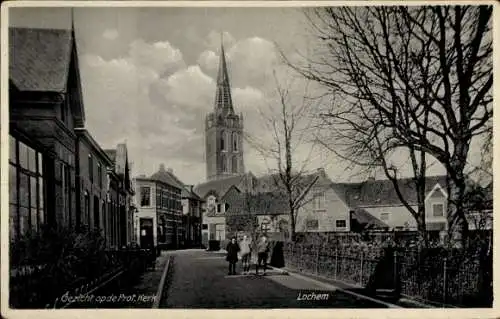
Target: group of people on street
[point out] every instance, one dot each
(244, 250)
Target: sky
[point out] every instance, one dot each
(148, 79)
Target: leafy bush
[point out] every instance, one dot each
(62, 259)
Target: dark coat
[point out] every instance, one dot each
(232, 252)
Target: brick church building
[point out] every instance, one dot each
(223, 131)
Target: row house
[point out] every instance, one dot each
(262, 198)
(159, 210)
(121, 197)
(45, 105)
(58, 175)
(191, 217)
(92, 183)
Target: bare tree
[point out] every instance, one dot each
(242, 215)
(423, 72)
(360, 139)
(289, 127)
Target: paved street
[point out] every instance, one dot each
(199, 280)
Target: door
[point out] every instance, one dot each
(146, 233)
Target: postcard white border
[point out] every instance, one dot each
(191, 313)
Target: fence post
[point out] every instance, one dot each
(395, 269)
(301, 257)
(361, 269)
(445, 283)
(336, 262)
(317, 259)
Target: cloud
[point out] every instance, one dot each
(208, 60)
(189, 88)
(252, 61)
(162, 102)
(213, 40)
(110, 34)
(161, 57)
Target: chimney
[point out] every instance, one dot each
(321, 171)
(162, 167)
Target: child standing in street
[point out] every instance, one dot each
(232, 255)
(262, 252)
(245, 252)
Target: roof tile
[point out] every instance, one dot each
(39, 59)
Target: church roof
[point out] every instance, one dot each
(223, 99)
(39, 59)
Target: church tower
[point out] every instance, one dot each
(223, 131)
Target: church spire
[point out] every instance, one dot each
(223, 100)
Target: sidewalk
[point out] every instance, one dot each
(356, 289)
(148, 286)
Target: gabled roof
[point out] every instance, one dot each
(85, 134)
(111, 154)
(167, 177)
(382, 192)
(273, 181)
(187, 193)
(39, 59)
(366, 220)
(220, 186)
(268, 203)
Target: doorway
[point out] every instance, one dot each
(146, 233)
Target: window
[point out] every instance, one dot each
(234, 164)
(384, 216)
(145, 196)
(220, 231)
(26, 189)
(159, 197)
(265, 226)
(319, 201)
(86, 213)
(235, 142)
(340, 223)
(99, 174)
(91, 169)
(219, 208)
(224, 163)
(164, 199)
(204, 226)
(438, 210)
(223, 141)
(312, 224)
(66, 190)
